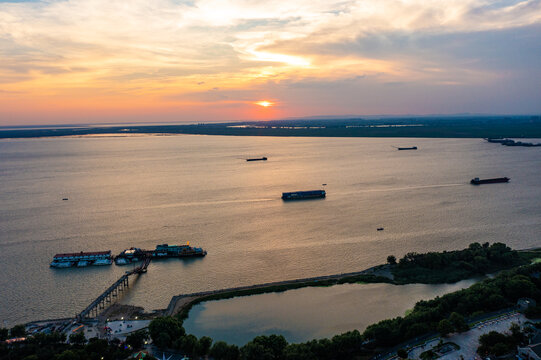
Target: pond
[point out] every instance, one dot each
(309, 313)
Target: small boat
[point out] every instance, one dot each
(264, 158)
(122, 261)
(64, 199)
(380, 229)
(408, 148)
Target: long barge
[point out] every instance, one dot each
(264, 158)
(408, 148)
(82, 259)
(300, 195)
(162, 251)
(477, 181)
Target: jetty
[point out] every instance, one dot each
(106, 298)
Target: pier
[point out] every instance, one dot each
(106, 298)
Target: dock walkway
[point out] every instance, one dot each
(112, 291)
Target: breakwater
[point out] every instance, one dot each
(183, 302)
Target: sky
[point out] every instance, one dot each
(99, 61)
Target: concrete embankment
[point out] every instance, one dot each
(180, 302)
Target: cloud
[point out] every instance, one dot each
(164, 49)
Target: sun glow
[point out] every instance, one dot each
(264, 103)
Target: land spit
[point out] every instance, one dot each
(181, 304)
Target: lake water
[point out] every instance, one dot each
(144, 191)
(308, 313)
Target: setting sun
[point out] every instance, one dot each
(264, 103)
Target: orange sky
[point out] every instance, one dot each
(93, 61)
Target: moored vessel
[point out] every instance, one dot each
(130, 255)
(477, 181)
(82, 259)
(300, 195)
(165, 250)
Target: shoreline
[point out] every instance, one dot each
(182, 303)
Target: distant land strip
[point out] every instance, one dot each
(422, 127)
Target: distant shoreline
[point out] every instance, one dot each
(461, 127)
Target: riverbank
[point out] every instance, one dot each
(408, 126)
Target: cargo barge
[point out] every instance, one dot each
(264, 158)
(408, 148)
(161, 252)
(82, 259)
(477, 181)
(300, 195)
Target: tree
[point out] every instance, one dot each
(255, 351)
(346, 344)
(402, 353)
(137, 339)
(445, 327)
(67, 355)
(164, 330)
(97, 346)
(458, 322)
(4, 333)
(496, 344)
(204, 345)
(78, 338)
(18, 331)
(391, 259)
(189, 344)
(222, 351)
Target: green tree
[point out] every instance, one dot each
(204, 345)
(97, 346)
(67, 355)
(18, 331)
(137, 339)
(255, 351)
(78, 338)
(458, 322)
(164, 330)
(402, 353)
(391, 259)
(189, 344)
(4, 333)
(347, 344)
(221, 351)
(445, 327)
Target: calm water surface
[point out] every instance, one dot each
(309, 313)
(144, 191)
